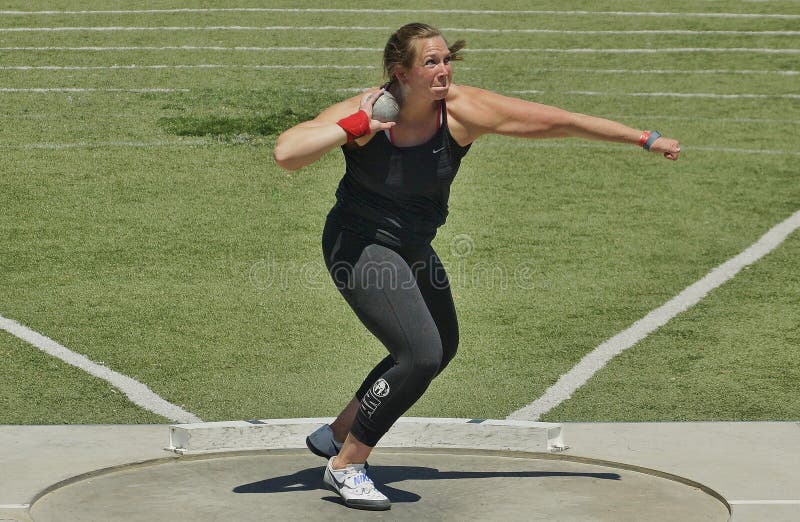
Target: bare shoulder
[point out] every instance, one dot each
(461, 100)
(465, 98)
(476, 112)
(473, 111)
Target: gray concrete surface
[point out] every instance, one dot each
(422, 486)
(754, 466)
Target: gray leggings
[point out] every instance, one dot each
(402, 295)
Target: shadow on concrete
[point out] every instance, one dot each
(311, 479)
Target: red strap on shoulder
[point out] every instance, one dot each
(356, 125)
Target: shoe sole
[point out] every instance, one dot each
(316, 451)
(356, 504)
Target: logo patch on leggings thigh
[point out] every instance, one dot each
(372, 399)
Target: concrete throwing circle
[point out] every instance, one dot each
(422, 485)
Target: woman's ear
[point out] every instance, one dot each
(400, 75)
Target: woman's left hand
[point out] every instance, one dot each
(367, 103)
(670, 148)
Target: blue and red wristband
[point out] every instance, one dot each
(648, 138)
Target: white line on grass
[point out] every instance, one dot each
(194, 28)
(44, 90)
(768, 152)
(418, 11)
(137, 392)
(193, 48)
(84, 89)
(781, 121)
(671, 94)
(743, 119)
(680, 32)
(359, 89)
(106, 144)
(772, 121)
(538, 144)
(595, 360)
(633, 94)
(198, 66)
(546, 144)
(668, 71)
(330, 66)
(527, 50)
(654, 50)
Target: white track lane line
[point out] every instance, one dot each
(743, 72)
(595, 360)
(668, 71)
(203, 142)
(192, 48)
(717, 96)
(670, 94)
(777, 16)
(615, 32)
(178, 67)
(550, 144)
(192, 28)
(110, 144)
(137, 392)
(85, 89)
(527, 50)
(659, 50)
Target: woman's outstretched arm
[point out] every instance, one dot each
(485, 112)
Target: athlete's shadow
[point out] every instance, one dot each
(311, 479)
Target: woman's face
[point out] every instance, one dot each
(430, 72)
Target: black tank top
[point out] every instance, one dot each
(398, 195)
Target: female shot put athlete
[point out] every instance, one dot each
(390, 202)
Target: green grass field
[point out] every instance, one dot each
(144, 224)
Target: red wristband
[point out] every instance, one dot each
(355, 125)
(643, 138)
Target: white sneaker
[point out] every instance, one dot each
(321, 443)
(355, 487)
